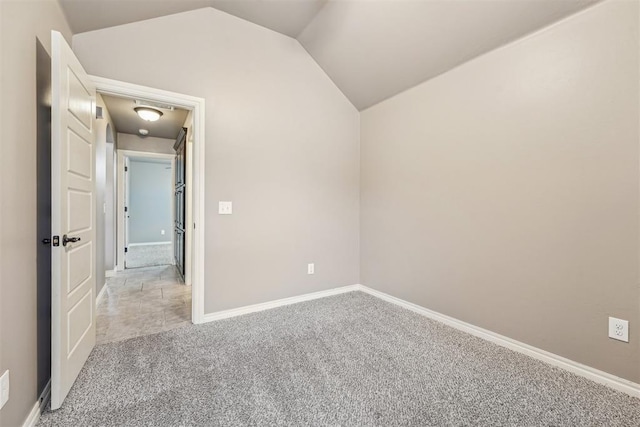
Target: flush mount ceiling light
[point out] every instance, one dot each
(148, 114)
(143, 132)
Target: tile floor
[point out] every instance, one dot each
(142, 301)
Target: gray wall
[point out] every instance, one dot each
(282, 143)
(150, 200)
(21, 22)
(104, 210)
(505, 192)
(148, 144)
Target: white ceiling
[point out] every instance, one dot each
(371, 49)
(126, 120)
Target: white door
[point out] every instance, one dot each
(73, 325)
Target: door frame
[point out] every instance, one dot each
(195, 197)
(122, 199)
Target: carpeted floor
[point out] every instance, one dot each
(149, 255)
(348, 360)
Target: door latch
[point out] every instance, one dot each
(56, 241)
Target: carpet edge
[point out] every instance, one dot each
(593, 374)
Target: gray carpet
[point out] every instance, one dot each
(149, 255)
(348, 360)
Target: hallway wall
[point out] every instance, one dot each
(149, 144)
(104, 210)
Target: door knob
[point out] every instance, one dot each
(66, 240)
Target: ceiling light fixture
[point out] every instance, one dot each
(148, 114)
(143, 132)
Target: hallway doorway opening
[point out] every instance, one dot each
(149, 277)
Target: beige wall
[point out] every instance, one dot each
(22, 22)
(149, 144)
(282, 143)
(505, 192)
(102, 174)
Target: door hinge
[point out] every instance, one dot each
(126, 168)
(55, 241)
(126, 209)
(126, 249)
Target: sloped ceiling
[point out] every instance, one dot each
(375, 49)
(288, 17)
(371, 49)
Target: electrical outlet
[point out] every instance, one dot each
(619, 329)
(311, 268)
(225, 208)
(4, 388)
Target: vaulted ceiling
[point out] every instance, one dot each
(371, 49)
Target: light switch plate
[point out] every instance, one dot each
(225, 208)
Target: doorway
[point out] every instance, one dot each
(148, 291)
(43, 254)
(149, 211)
(194, 178)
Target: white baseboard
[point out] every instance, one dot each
(101, 293)
(585, 371)
(277, 303)
(34, 416)
(110, 273)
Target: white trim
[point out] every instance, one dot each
(189, 197)
(218, 315)
(33, 417)
(110, 273)
(195, 209)
(149, 244)
(103, 290)
(585, 371)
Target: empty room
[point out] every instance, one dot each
(363, 213)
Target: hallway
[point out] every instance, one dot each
(142, 301)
